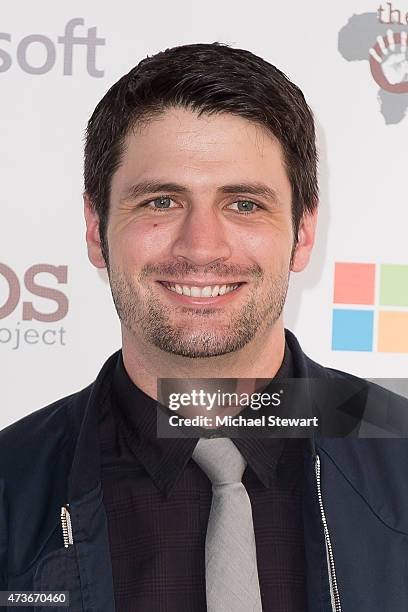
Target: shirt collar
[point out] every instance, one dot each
(165, 458)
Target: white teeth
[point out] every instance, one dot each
(207, 291)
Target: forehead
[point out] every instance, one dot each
(180, 145)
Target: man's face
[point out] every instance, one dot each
(200, 233)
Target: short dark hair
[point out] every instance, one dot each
(208, 79)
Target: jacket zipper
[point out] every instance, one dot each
(334, 591)
(66, 526)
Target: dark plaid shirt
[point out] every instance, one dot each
(158, 500)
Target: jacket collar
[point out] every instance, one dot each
(85, 472)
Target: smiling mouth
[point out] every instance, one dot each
(201, 292)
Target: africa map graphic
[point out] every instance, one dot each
(384, 47)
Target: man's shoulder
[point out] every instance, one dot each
(381, 408)
(48, 436)
(373, 387)
(376, 393)
(42, 431)
(61, 414)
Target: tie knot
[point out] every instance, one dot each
(220, 459)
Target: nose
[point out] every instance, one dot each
(202, 238)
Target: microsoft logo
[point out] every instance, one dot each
(371, 307)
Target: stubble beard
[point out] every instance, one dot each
(142, 313)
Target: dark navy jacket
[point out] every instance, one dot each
(355, 506)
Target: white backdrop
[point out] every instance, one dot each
(362, 137)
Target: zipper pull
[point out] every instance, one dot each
(66, 526)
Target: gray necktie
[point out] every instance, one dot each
(232, 583)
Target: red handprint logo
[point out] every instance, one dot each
(389, 63)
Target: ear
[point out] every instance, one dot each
(306, 238)
(93, 240)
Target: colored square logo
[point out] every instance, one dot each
(354, 283)
(392, 332)
(393, 285)
(352, 330)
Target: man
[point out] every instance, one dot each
(200, 199)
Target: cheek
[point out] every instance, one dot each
(140, 242)
(269, 249)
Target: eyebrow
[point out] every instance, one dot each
(150, 187)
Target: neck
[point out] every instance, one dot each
(260, 358)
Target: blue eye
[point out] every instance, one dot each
(163, 203)
(245, 206)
